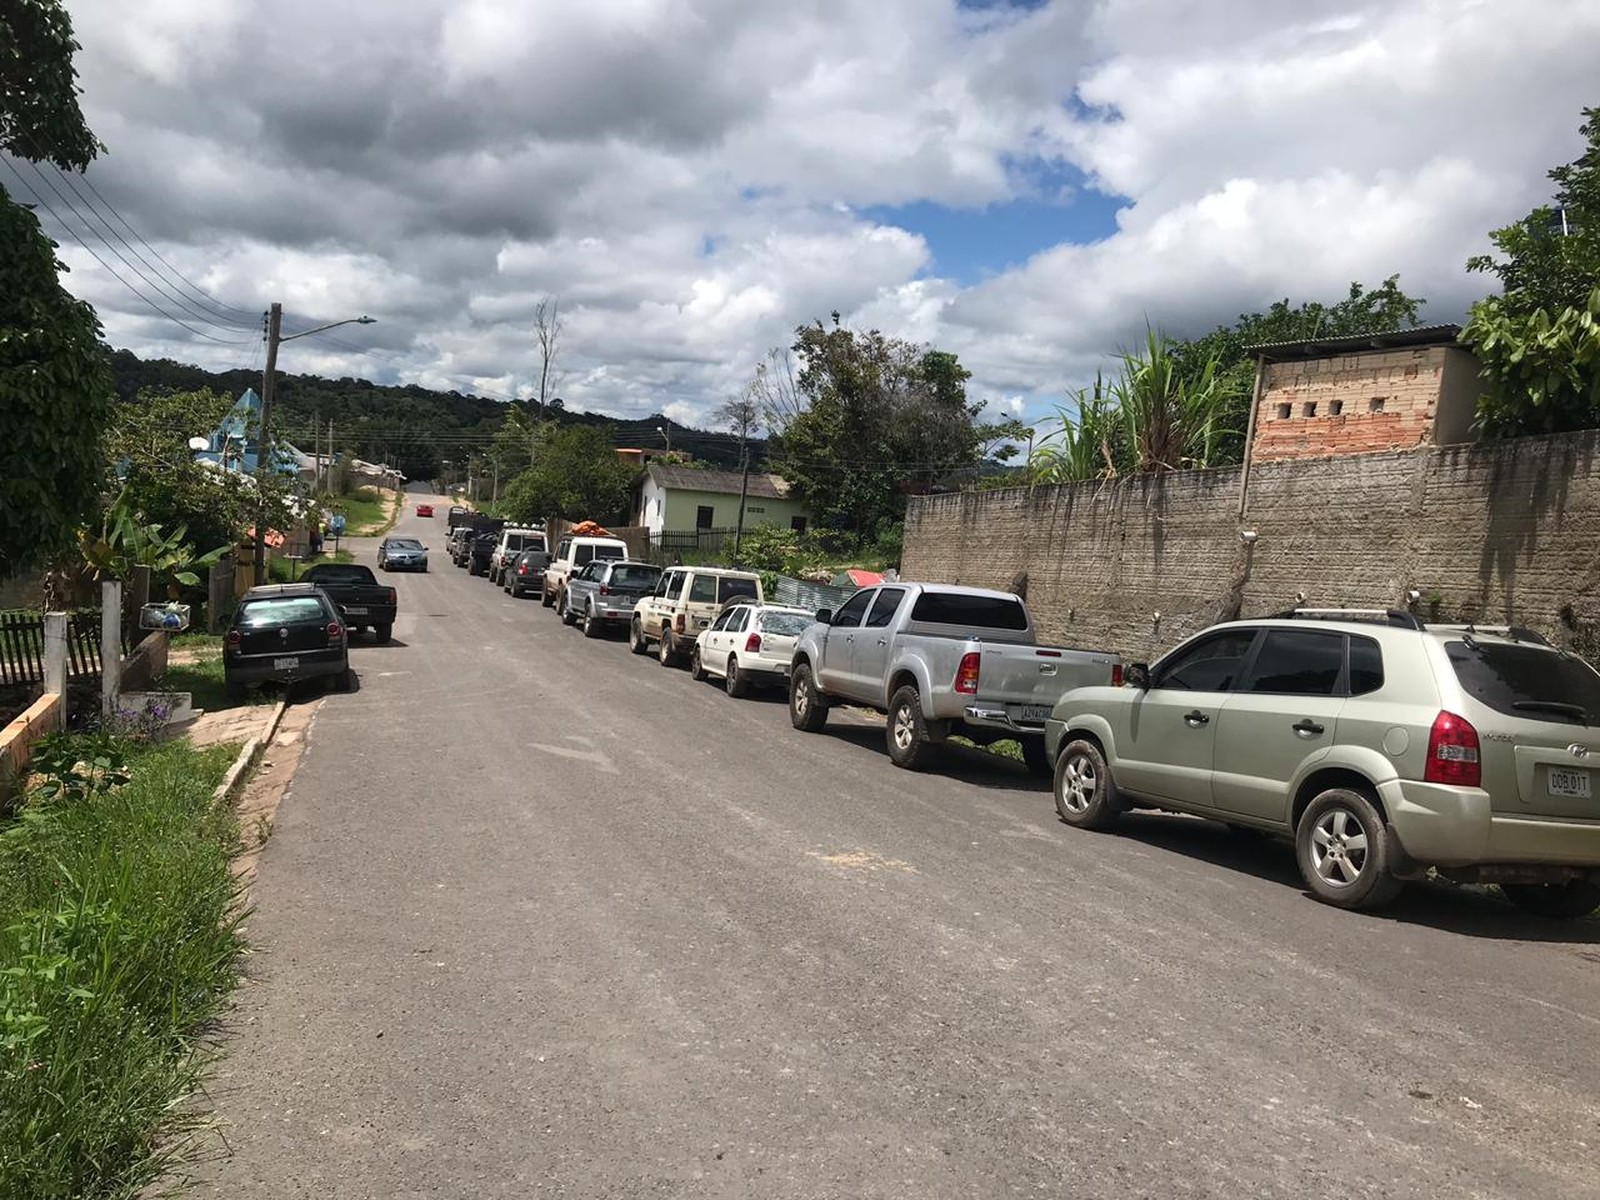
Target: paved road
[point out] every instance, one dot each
(543, 918)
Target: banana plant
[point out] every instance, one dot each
(124, 542)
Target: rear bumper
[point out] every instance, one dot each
(994, 716)
(392, 565)
(374, 614)
(612, 612)
(314, 664)
(1454, 827)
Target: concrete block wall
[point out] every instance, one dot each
(1351, 403)
(1500, 531)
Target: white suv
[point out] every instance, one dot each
(686, 601)
(573, 554)
(1382, 746)
(513, 541)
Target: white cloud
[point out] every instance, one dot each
(692, 176)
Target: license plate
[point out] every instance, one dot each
(1035, 712)
(356, 610)
(1569, 783)
(285, 664)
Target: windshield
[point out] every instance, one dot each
(340, 575)
(974, 612)
(785, 624)
(404, 544)
(287, 610)
(1532, 682)
(635, 576)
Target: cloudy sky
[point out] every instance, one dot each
(1023, 183)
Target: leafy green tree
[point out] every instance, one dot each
(576, 475)
(1539, 340)
(55, 389)
(869, 419)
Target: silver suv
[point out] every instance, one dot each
(1382, 746)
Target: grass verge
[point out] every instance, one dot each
(120, 939)
(365, 511)
(203, 680)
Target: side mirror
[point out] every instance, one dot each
(1137, 676)
(824, 616)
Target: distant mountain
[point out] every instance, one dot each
(414, 428)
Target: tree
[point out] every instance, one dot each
(55, 387)
(576, 474)
(1539, 340)
(869, 419)
(547, 335)
(741, 416)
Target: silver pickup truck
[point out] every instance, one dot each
(939, 660)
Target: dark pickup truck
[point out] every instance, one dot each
(356, 592)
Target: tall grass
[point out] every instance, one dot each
(118, 942)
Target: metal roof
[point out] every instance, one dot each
(1393, 339)
(723, 483)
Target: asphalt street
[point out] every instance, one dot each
(540, 917)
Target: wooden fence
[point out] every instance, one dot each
(22, 646)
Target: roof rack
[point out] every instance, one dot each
(1397, 617)
(1517, 633)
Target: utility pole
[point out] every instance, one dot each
(744, 485)
(268, 386)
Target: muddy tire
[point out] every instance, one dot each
(907, 731)
(1086, 794)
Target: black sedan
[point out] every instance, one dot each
(283, 633)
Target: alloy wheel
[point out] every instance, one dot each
(1339, 847)
(1078, 783)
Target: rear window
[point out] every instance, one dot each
(518, 542)
(587, 554)
(290, 610)
(784, 624)
(733, 589)
(635, 576)
(973, 612)
(1532, 682)
(339, 576)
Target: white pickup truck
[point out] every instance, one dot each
(939, 660)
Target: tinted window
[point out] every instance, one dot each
(1297, 663)
(733, 588)
(784, 624)
(850, 615)
(888, 604)
(703, 590)
(339, 575)
(290, 610)
(669, 584)
(1366, 666)
(404, 544)
(1208, 666)
(973, 612)
(1528, 681)
(635, 576)
(721, 623)
(739, 619)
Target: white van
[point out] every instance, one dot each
(513, 541)
(573, 554)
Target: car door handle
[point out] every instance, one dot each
(1307, 728)
(883, 641)
(1196, 719)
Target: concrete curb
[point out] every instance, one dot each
(249, 754)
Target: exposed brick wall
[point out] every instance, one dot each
(1496, 531)
(1359, 403)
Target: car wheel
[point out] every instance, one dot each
(384, 632)
(591, 625)
(665, 650)
(1086, 795)
(1037, 757)
(697, 667)
(636, 639)
(1342, 846)
(907, 731)
(1555, 901)
(545, 598)
(568, 617)
(738, 686)
(808, 709)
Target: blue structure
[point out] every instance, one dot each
(233, 445)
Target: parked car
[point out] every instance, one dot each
(749, 645)
(513, 541)
(573, 554)
(459, 543)
(604, 592)
(402, 554)
(283, 633)
(480, 551)
(455, 515)
(424, 510)
(686, 601)
(525, 576)
(939, 660)
(362, 601)
(1381, 746)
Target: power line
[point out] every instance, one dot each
(45, 204)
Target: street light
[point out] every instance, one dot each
(269, 373)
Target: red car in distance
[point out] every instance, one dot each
(424, 510)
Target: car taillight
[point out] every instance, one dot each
(679, 624)
(1453, 752)
(967, 675)
(335, 631)
(394, 596)
(522, 568)
(752, 644)
(233, 639)
(1116, 674)
(605, 589)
